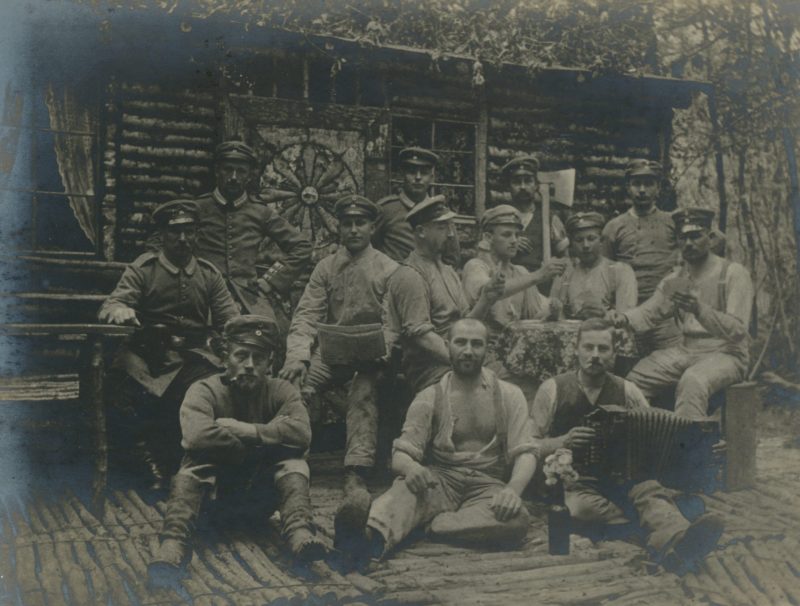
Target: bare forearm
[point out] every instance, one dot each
(402, 464)
(521, 474)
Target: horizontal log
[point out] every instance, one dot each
(161, 180)
(165, 139)
(177, 126)
(156, 107)
(136, 167)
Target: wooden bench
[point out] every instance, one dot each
(90, 378)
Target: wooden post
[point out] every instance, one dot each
(94, 392)
(739, 416)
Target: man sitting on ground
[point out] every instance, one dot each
(244, 436)
(559, 411)
(464, 457)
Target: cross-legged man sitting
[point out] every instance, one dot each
(464, 457)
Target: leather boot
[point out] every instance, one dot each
(693, 544)
(174, 553)
(297, 526)
(156, 475)
(351, 517)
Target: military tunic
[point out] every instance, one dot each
(424, 295)
(343, 290)
(646, 243)
(181, 298)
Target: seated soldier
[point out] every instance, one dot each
(558, 414)
(244, 436)
(346, 288)
(592, 285)
(711, 299)
(170, 295)
(425, 297)
(463, 459)
(501, 227)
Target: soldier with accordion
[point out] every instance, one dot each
(621, 446)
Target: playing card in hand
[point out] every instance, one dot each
(677, 284)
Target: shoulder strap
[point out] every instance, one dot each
(722, 295)
(500, 414)
(208, 264)
(144, 259)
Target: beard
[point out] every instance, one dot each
(468, 367)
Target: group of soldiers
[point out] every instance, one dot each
(219, 373)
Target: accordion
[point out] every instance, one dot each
(650, 443)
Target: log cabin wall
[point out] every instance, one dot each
(159, 140)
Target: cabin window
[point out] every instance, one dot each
(47, 175)
(454, 142)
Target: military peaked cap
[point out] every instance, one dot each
(503, 214)
(254, 330)
(175, 212)
(430, 210)
(418, 156)
(642, 167)
(692, 219)
(356, 205)
(585, 221)
(235, 150)
(521, 165)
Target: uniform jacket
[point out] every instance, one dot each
(343, 290)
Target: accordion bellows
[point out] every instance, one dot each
(344, 345)
(650, 443)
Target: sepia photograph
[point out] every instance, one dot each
(382, 302)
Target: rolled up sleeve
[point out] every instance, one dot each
(417, 429)
(410, 303)
(519, 426)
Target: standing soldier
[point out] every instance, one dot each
(393, 235)
(233, 228)
(644, 238)
(346, 288)
(170, 296)
(245, 435)
(521, 175)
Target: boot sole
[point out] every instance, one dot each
(350, 523)
(311, 552)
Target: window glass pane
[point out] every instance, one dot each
(15, 220)
(45, 167)
(455, 136)
(460, 199)
(289, 74)
(15, 158)
(56, 225)
(411, 132)
(456, 168)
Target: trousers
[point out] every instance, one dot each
(457, 508)
(360, 407)
(591, 502)
(697, 372)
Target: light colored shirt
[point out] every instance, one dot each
(725, 307)
(427, 434)
(610, 283)
(344, 290)
(524, 305)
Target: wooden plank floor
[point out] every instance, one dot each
(53, 551)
